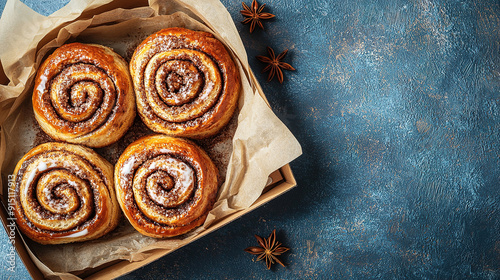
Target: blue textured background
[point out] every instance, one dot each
(396, 105)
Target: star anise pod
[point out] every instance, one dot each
(269, 250)
(254, 15)
(275, 64)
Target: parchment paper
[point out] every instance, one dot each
(260, 142)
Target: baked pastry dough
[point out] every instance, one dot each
(165, 186)
(186, 83)
(84, 95)
(64, 193)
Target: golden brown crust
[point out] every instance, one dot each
(186, 83)
(165, 186)
(84, 95)
(64, 193)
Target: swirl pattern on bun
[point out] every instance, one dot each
(186, 83)
(64, 193)
(84, 95)
(165, 186)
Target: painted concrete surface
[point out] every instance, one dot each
(397, 107)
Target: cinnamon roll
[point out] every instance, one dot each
(84, 95)
(186, 83)
(64, 193)
(165, 186)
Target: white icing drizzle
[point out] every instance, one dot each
(76, 234)
(187, 177)
(187, 172)
(42, 84)
(184, 180)
(42, 166)
(127, 166)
